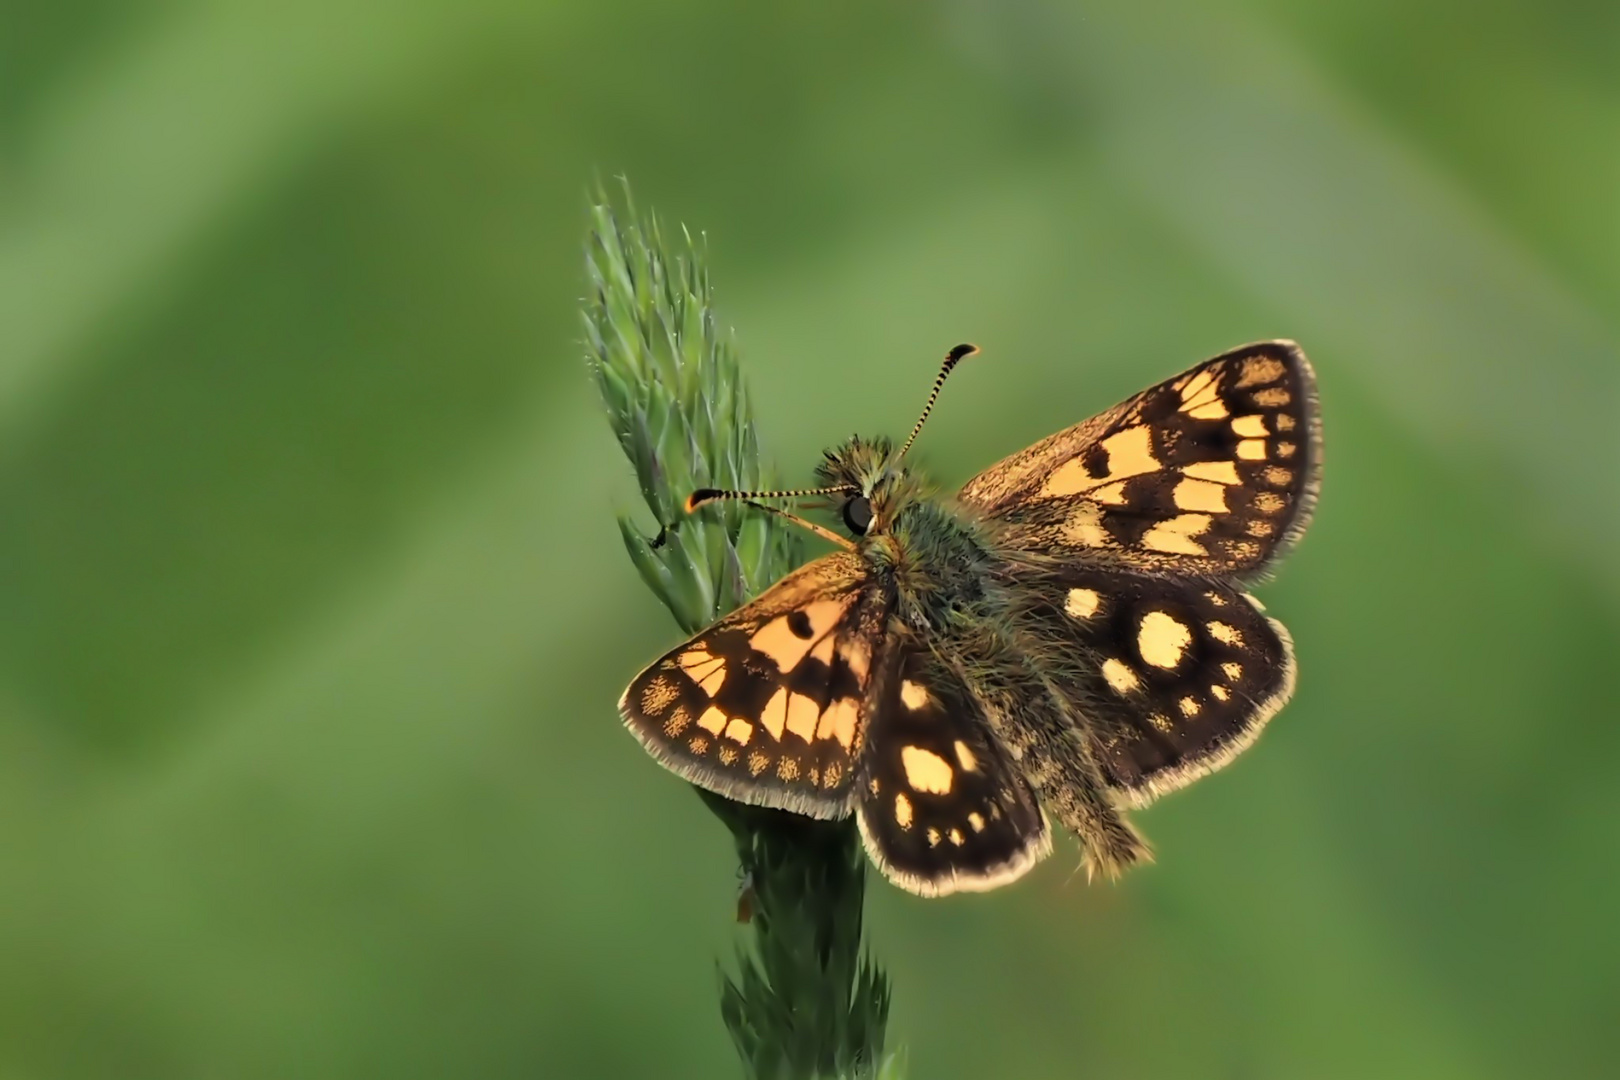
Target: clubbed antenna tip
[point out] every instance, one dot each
(957, 354)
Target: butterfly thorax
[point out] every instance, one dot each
(940, 561)
(938, 556)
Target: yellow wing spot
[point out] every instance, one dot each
(1130, 453)
(834, 773)
(1070, 478)
(823, 614)
(739, 730)
(965, 758)
(1188, 706)
(976, 820)
(955, 836)
(995, 812)
(788, 768)
(1221, 693)
(1232, 670)
(1162, 639)
(801, 716)
(1082, 603)
(778, 642)
(713, 720)
(914, 696)
(1275, 397)
(933, 837)
(1260, 528)
(773, 718)
(677, 721)
(1286, 449)
(698, 744)
(1222, 472)
(1277, 476)
(1175, 537)
(838, 722)
(787, 638)
(1283, 421)
(1214, 410)
(815, 775)
(926, 770)
(1258, 370)
(692, 659)
(1112, 494)
(1084, 527)
(728, 754)
(1269, 502)
(1162, 722)
(1226, 635)
(1204, 495)
(857, 656)
(1192, 391)
(902, 811)
(1249, 427)
(1120, 676)
(1252, 449)
(757, 762)
(1244, 550)
(657, 694)
(1215, 599)
(873, 786)
(706, 669)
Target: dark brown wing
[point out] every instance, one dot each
(942, 806)
(1213, 472)
(767, 706)
(1174, 678)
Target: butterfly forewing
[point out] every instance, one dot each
(1174, 678)
(767, 705)
(1212, 472)
(942, 806)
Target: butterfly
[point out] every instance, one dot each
(1069, 635)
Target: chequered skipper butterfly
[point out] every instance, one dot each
(1070, 633)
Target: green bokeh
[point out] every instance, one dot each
(313, 609)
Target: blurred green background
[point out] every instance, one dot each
(313, 611)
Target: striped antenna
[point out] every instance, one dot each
(952, 358)
(708, 495)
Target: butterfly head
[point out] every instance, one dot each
(866, 475)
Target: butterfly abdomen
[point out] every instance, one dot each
(1005, 670)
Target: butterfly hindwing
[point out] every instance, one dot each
(1174, 677)
(942, 806)
(1213, 472)
(766, 706)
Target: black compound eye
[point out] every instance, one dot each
(858, 514)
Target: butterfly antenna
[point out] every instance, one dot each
(708, 495)
(952, 358)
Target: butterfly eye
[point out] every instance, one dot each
(858, 514)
